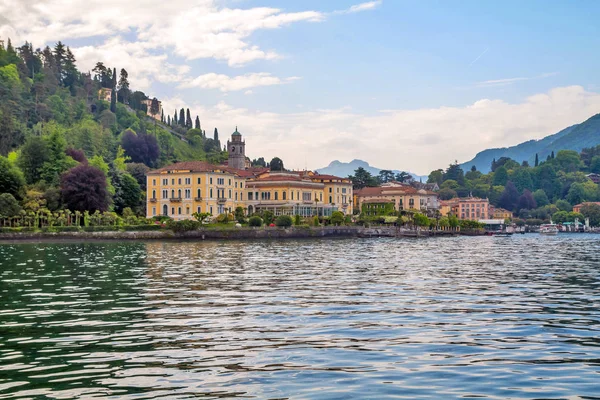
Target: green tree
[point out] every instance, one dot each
(420, 220)
(363, 178)
(500, 177)
(181, 117)
(337, 218)
(113, 93)
(385, 175)
(537, 160)
(455, 172)
(123, 92)
(11, 178)
(521, 177)
(510, 197)
(32, 157)
(447, 193)
(239, 215)
(283, 221)
(564, 205)
(9, 206)
(436, 176)
(197, 124)
(576, 193)
(591, 211)
(255, 221)
(595, 165)
(541, 198)
(276, 164)
(201, 217)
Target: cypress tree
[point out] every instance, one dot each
(216, 135)
(552, 155)
(175, 118)
(188, 120)
(181, 117)
(169, 120)
(197, 126)
(113, 93)
(537, 160)
(162, 116)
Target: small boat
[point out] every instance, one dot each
(549, 229)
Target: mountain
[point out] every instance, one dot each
(576, 137)
(343, 169)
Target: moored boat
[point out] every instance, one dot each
(549, 229)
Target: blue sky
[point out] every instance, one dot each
(402, 85)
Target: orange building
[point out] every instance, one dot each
(577, 208)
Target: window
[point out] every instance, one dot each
(165, 210)
(172, 210)
(165, 193)
(172, 193)
(173, 181)
(154, 194)
(330, 200)
(187, 210)
(343, 190)
(229, 194)
(153, 211)
(250, 196)
(236, 185)
(235, 196)
(199, 193)
(179, 194)
(284, 195)
(320, 196)
(241, 185)
(179, 181)
(210, 210)
(179, 210)
(188, 193)
(188, 181)
(199, 181)
(242, 196)
(306, 196)
(292, 195)
(211, 183)
(165, 182)
(211, 195)
(154, 182)
(229, 182)
(220, 181)
(198, 209)
(330, 190)
(338, 190)
(276, 196)
(411, 203)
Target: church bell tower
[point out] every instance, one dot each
(236, 148)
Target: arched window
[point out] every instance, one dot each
(276, 195)
(172, 210)
(235, 196)
(211, 193)
(165, 210)
(179, 194)
(283, 196)
(179, 210)
(330, 199)
(229, 194)
(199, 193)
(173, 193)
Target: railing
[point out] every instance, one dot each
(197, 198)
(176, 199)
(221, 200)
(153, 200)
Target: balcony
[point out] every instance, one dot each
(152, 200)
(175, 199)
(197, 198)
(221, 200)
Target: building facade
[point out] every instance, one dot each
(148, 104)
(181, 189)
(105, 94)
(404, 198)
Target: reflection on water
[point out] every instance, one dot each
(326, 319)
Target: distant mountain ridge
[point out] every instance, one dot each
(575, 137)
(344, 169)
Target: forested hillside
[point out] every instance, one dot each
(546, 189)
(63, 148)
(576, 137)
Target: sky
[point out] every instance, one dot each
(408, 85)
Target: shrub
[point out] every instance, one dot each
(224, 218)
(316, 221)
(255, 221)
(183, 226)
(337, 218)
(297, 220)
(283, 221)
(143, 227)
(268, 217)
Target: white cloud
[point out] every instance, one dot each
(225, 83)
(418, 140)
(370, 5)
(510, 81)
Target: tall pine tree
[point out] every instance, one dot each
(537, 160)
(169, 120)
(175, 118)
(197, 126)
(188, 120)
(113, 94)
(181, 117)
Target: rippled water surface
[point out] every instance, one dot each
(312, 319)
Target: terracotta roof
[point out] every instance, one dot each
(330, 177)
(193, 166)
(392, 190)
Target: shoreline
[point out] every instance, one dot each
(244, 233)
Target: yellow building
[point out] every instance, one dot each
(181, 189)
(148, 103)
(500, 213)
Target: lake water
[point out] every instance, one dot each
(437, 318)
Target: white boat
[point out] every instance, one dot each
(549, 229)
